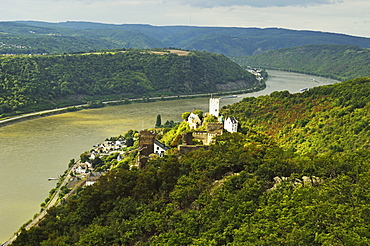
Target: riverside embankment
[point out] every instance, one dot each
(29, 116)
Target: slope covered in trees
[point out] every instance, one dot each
(48, 81)
(341, 62)
(332, 118)
(249, 188)
(25, 37)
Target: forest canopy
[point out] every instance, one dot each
(297, 173)
(29, 83)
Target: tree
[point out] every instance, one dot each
(185, 115)
(158, 123)
(84, 157)
(210, 118)
(199, 113)
(97, 162)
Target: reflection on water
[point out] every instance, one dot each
(34, 150)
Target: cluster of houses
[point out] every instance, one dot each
(109, 146)
(105, 148)
(86, 170)
(13, 45)
(256, 72)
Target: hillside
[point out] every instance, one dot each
(332, 118)
(25, 37)
(249, 188)
(29, 83)
(341, 62)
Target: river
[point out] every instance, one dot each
(34, 150)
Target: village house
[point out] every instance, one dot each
(83, 168)
(194, 121)
(231, 124)
(160, 148)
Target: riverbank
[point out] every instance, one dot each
(29, 116)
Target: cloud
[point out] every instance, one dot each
(255, 3)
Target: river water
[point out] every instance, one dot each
(34, 150)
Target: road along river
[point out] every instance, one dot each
(34, 150)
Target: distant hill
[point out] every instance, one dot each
(24, 37)
(337, 61)
(29, 83)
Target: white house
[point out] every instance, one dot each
(80, 170)
(231, 124)
(160, 148)
(194, 121)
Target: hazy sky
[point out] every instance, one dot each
(339, 16)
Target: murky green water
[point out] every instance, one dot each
(34, 150)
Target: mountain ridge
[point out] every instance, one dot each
(230, 41)
(341, 62)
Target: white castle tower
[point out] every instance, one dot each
(214, 106)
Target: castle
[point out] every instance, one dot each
(149, 145)
(213, 129)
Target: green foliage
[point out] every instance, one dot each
(229, 194)
(218, 196)
(185, 115)
(158, 122)
(210, 118)
(130, 137)
(84, 157)
(30, 83)
(71, 163)
(199, 113)
(341, 62)
(169, 124)
(171, 138)
(332, 118)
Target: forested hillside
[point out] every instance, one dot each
(334, 118)
(296, 174)
(29, 83)
(29, 37)
(341, 62)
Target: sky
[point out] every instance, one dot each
(338, 16)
